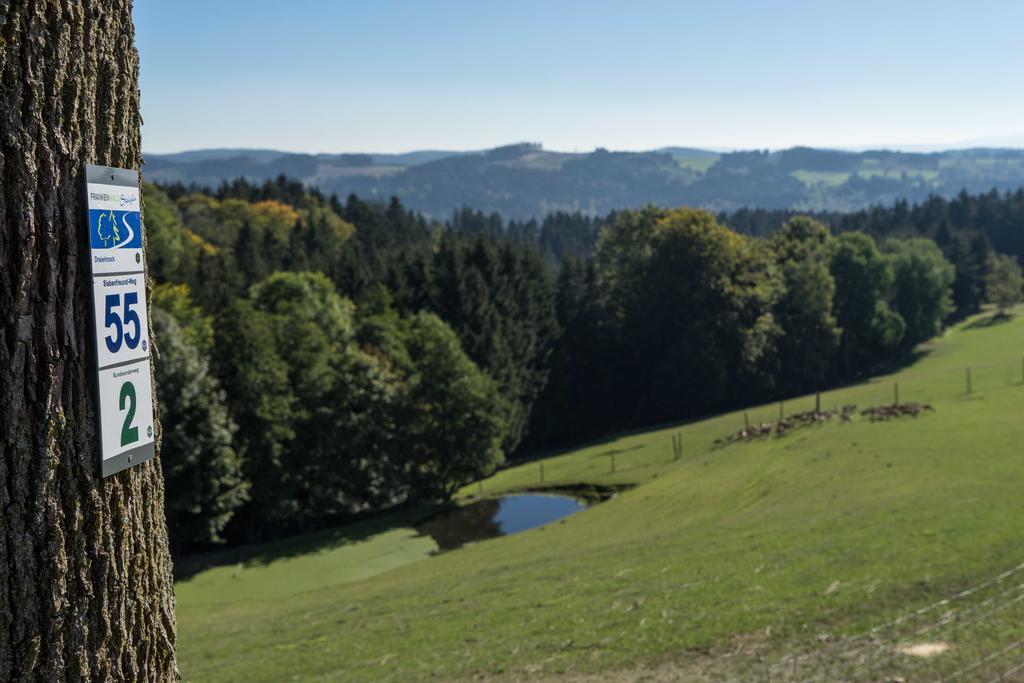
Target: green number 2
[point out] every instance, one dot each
(129, 434)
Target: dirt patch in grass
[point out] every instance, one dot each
(924, 650)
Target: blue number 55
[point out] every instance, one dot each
(111, 318)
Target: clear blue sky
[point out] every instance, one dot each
(385, 76)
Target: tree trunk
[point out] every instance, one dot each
(85, 574)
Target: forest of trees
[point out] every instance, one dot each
(321, 358)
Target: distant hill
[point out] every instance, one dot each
(218, 154)
(525, 180)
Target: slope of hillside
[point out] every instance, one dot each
(761, 546)
(525, 180)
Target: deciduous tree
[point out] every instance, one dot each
(205, 485)
(810, 334)
(922, 288)
(1004, 284)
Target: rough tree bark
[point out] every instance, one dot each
(85, 572)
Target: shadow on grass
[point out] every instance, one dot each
(989, 321)
(617, 451)
(889, 367)
(261, 554)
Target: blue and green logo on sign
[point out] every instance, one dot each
(111, 229)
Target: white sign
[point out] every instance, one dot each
(126, 412)
(120, 305)
(124, 382)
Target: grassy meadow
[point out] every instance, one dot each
(766, 544)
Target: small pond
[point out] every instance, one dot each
(496, 517)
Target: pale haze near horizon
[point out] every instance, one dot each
(391, 76)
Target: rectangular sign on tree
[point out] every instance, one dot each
(124, 384)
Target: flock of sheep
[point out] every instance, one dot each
(788, 423)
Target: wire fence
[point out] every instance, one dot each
(913, 391)
(940, 383)
(976, 634)
(973, 635)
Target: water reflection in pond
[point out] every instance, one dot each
(496, 517)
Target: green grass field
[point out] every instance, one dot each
(830, 529)
(896, 174)
(830, 178)
(836, 178)
(698, 164)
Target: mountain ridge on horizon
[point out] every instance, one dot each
(1004, 143)
(525, 180)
